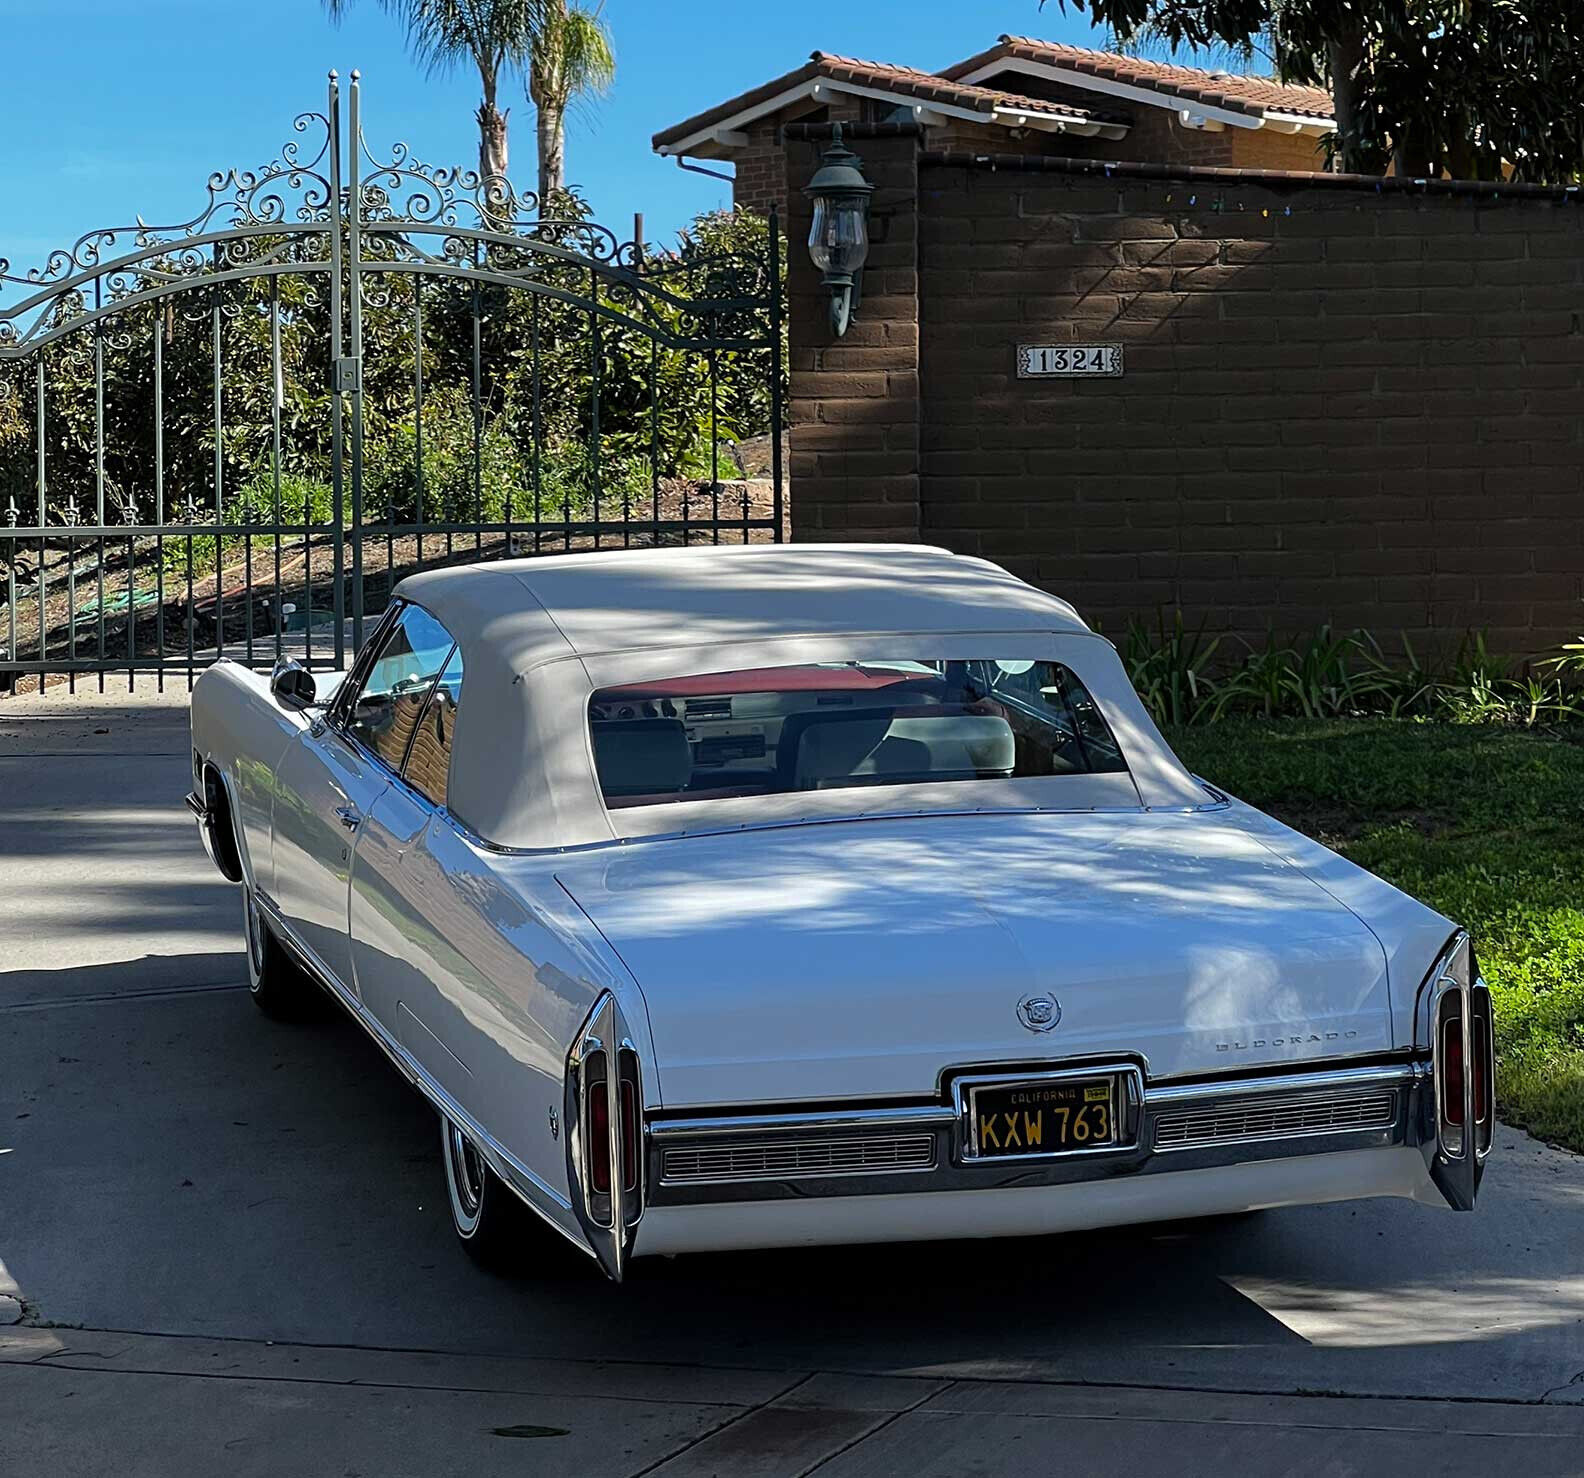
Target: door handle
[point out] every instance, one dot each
(348, 817)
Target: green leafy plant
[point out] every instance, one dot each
(1331, 674)
(1569, 662)
(1170, 669)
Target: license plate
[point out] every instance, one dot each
(1051, 1118)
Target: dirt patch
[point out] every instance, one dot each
(153, 605)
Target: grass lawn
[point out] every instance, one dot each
(1484, 824)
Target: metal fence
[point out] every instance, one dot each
(232, 435)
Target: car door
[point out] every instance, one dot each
(451, 960)
(397, 909)
(335, 772)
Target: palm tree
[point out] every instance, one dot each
(498, 35)
(570, 58)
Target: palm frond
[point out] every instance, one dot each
(493, 34)
(571, 57)
(1152, 41)
(590, 61)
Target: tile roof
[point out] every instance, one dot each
(907, 82)
(1237, 94)
(933, 87)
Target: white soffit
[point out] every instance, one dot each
(728, 132)
(1183, 107)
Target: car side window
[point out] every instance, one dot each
(383, 713)
(1050, 695)
(429, 756)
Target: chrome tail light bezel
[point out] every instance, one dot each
(604, 1061)
(1457, 1014)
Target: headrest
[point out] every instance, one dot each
(957, 745)
(640, 756)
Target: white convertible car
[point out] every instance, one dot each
(767, 896)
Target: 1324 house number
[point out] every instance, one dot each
(1042, 361)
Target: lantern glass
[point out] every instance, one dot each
(839, 237)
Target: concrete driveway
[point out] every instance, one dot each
(226, 1248)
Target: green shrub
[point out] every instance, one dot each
(1342, 674)
(303, 501)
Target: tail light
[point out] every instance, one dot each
(1484, 1061)
(599, 1125)
(605, 1148)
(597, 1071)
(1452, 1065)
(631, 1127)
(1464, 1072)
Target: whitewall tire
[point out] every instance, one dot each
(491, 1223)
(280, 987)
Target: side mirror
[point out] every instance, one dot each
(293, 686)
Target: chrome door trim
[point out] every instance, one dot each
(357, 670)
(529, 1188)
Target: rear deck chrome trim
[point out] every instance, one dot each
(1340, 1078)
(1274, 1116)
(798, 1158)
(819, 1120)
(1208, 1124)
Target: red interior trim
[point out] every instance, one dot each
(761, 680)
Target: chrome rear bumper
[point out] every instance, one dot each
(914, 1148)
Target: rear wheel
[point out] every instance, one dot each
(495, 1227)
(280, 987)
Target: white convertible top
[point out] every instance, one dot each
(539, 636)
(577, 604)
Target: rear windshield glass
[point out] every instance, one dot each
(825, 725)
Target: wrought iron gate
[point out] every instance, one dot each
(232, 435)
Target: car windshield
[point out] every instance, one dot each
(821, 726)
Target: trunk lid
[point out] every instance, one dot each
(857, 960)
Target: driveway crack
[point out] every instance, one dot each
(726, 1425)
(875, 1430)
(1572, 1383)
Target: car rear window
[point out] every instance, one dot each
(821, 726)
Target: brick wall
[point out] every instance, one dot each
(1342, 403)
(1262, 148)
(760, 168)
(760, 181)
(854, 411)
(1339, 404)
(1156, 136)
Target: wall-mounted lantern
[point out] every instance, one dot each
(839, 237)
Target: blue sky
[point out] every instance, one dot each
(115, 109)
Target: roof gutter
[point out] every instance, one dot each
(714, 174)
